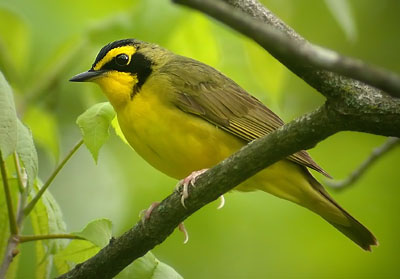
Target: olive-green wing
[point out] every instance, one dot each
(203, 91)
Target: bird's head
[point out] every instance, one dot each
(121, 68)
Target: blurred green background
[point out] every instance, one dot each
(43, 43)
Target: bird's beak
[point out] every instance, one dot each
(87, 76)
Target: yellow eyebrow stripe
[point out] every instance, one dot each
(129, 50)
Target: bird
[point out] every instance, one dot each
(183, 117)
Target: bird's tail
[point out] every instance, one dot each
(348, 225)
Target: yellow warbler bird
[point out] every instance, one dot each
(181, 115)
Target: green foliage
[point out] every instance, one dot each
(117, 129)
(14, 44)
(46, 218)
(148, 267)
(76, 252)
(27, 152)
(8, 119)
(94, 124)
(98, 232)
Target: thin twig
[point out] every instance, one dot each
(17, 164)
(27, 238)
(10, 208)
(303, 52)
(376, 154)
(39, 194)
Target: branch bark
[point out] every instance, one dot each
(351, 105)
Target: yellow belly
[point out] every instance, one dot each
(171, 140)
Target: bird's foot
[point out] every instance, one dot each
(188, 181)
(146, 213)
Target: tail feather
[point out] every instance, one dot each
(355, 230)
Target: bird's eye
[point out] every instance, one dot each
(122, 59)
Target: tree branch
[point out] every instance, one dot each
(351, 105)
(296, 52)
(376, 154)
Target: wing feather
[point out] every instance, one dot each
(203, 91)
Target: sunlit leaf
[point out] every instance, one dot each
(27, 152)
(94, 124)
(118, 130)
(8, 119)
(341, 11)
(99, 232)
(76, 252)
(46, 218)
(44, 129)
(14, 43)
(148, 267)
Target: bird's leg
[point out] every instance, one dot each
(188, 181)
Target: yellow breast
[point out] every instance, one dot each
(171, 140)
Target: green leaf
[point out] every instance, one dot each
(94, 124)
(8, 119)
(148, 267)
(341, 11)
(99, 232)
(46, 218)
(14, 44)
(44, 130)
(118, 130)
(27, 152)
(76, 252)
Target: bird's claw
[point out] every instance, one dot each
(222, 202)
(145, 213)
(189, 180)
(182, 228)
